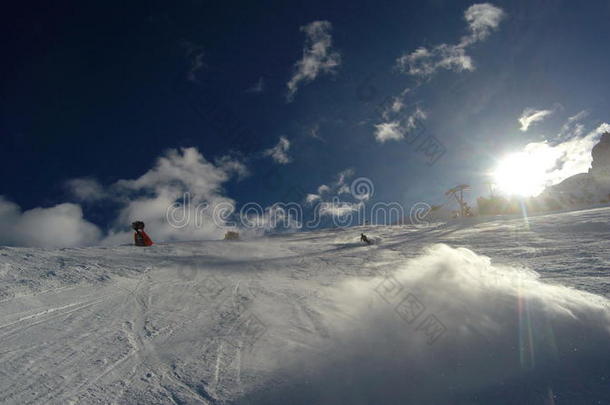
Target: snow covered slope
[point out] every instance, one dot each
(502, 312)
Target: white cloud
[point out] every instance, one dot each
(279, 152)
(387, 131)
(314, 132)
(531, 116)
(231, 165)
(184, 168)
(573, 127)
(277, 217)
(424, 62)
(395, 105)
(417, 116)
(182, 185)
(482, 19)
(318, 56)
(343, 189)
(86, 189)
(338, 208)
(396, 130)
(312, 198)
(323, 189)
(339, 186)
(325, 192)
(343, 176)
(60, 226)
(570, 157)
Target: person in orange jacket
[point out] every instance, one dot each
(140, 238)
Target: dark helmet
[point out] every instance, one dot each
(137, 225)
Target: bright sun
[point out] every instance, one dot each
(521, 174)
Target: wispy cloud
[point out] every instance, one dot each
(195, 54)
(279, 153)
(336, 188)
(257, 87)
(481, 18)
(274, 217)
(312, 198)
(323, 189)
(338, 208)
(530, 116)
(318, 56)
(573, 127)
(232, 165)
(396, 130)
(314, 132)
(343, 176)
(395, 105)
(414, 118)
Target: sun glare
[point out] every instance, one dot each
(521, 174)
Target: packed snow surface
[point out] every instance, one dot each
(502, 311)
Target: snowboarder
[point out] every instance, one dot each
(364, 239)
(140, 237)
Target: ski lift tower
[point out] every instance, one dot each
(457, 192)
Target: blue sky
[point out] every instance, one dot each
(279, 99)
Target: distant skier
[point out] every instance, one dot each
(364, 239)
(140, 237)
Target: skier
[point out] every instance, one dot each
(140, 237)
(364, 239)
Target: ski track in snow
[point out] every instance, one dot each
(213, 322)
